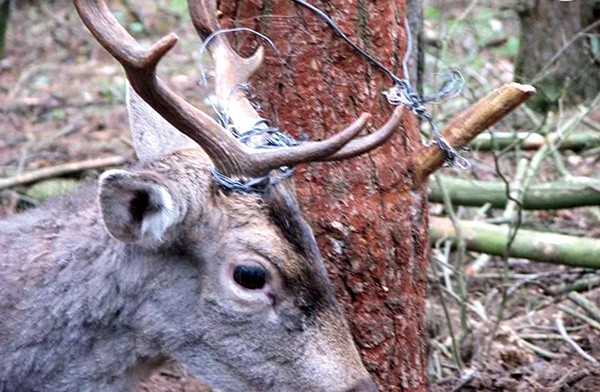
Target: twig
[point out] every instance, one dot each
(60, 170)
(26, 105)
(61, 133)
(572, 379)
(516, 188)
(464, 127)
(542, 73)
(466, 377)
(589, 307)
(455, 350)
(520, 327)
(561, 329)
(585, 283)
(532, 276)
(540, 351)
(134, 14)
(461, 251)
(544, 336)
(594, 324)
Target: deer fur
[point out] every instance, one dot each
(99, 288)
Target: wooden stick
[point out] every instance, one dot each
(61, 170)
(561, 329)
(583, 302)
(594, 324)
(470, 123)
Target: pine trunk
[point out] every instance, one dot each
(371, 228)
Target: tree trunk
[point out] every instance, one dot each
(5, 6)
(557, 54)
(372, 230)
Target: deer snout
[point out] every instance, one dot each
(364, 385)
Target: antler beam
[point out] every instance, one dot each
(228, 155)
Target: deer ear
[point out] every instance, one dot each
(153, 136)
(135, 207)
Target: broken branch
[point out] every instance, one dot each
(567, 193)
(467, 125)
(532, 245)
(61, 170)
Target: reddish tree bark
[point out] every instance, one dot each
(372, 229)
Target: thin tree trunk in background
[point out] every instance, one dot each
(371, 228)
(557, 54)
(5, 6)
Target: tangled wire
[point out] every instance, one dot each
(401, 93)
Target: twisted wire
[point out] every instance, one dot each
(401, 93)
(261, 135)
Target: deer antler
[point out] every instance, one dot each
(228, 155)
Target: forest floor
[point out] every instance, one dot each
(62, 101)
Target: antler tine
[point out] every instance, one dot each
(371, 141)
(140, 66)
(231, 70)
(228, 155)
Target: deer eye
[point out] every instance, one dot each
(252, 277)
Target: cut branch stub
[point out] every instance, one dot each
(467, 125)
(230, 157)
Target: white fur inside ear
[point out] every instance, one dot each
(155, 224)
(136, 208)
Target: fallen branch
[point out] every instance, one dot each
(545, 336)
(561, 329)
(584, 284)
(467, 125)
(576, 141)
(582, 302)
(533, 245)
(540, 351)
(571, 312)
(61, 170)
(568, 193)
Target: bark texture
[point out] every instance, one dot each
(559, 50)
(371, 227)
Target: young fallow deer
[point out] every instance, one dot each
(160, 262)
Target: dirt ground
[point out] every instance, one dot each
(61, 101)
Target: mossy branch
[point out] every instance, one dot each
(529, 244)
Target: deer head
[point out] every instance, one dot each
(231, 284)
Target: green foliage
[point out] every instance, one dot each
(52, 187)
(512, 47)
(136, 27)
(120, 17)
(432, 13)
(113, 90)
(59, 114)
(179, 6)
